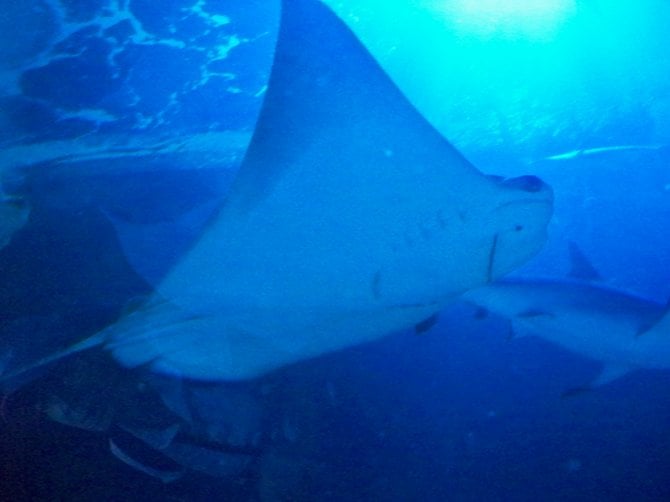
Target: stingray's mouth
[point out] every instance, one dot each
(529, 190)
(526, 183)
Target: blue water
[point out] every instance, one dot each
(93, 98)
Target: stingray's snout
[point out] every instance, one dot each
(526, 183)
(521, 218)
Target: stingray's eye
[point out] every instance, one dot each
(518, 228)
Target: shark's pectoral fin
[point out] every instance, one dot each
(644, 328)
(575, 391)
(519, 330)
(660, 323)
(609, 373)
(534, 312)
(426, 324)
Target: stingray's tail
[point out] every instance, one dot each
(8, 379)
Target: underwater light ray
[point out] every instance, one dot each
(531, 19)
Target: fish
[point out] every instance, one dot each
(166, 476)
(350, 218)
(620, 330)
(585, 152)
(183, 454)
(210, 458)
(163, 427)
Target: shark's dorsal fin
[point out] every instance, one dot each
(580, 266)
(315, 86)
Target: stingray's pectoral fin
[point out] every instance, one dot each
(152, 249)
(151, 334)
(137, 339)
(171, 340)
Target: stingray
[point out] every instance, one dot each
(351, 217)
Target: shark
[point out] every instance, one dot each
(350, 218)
(622, 331)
